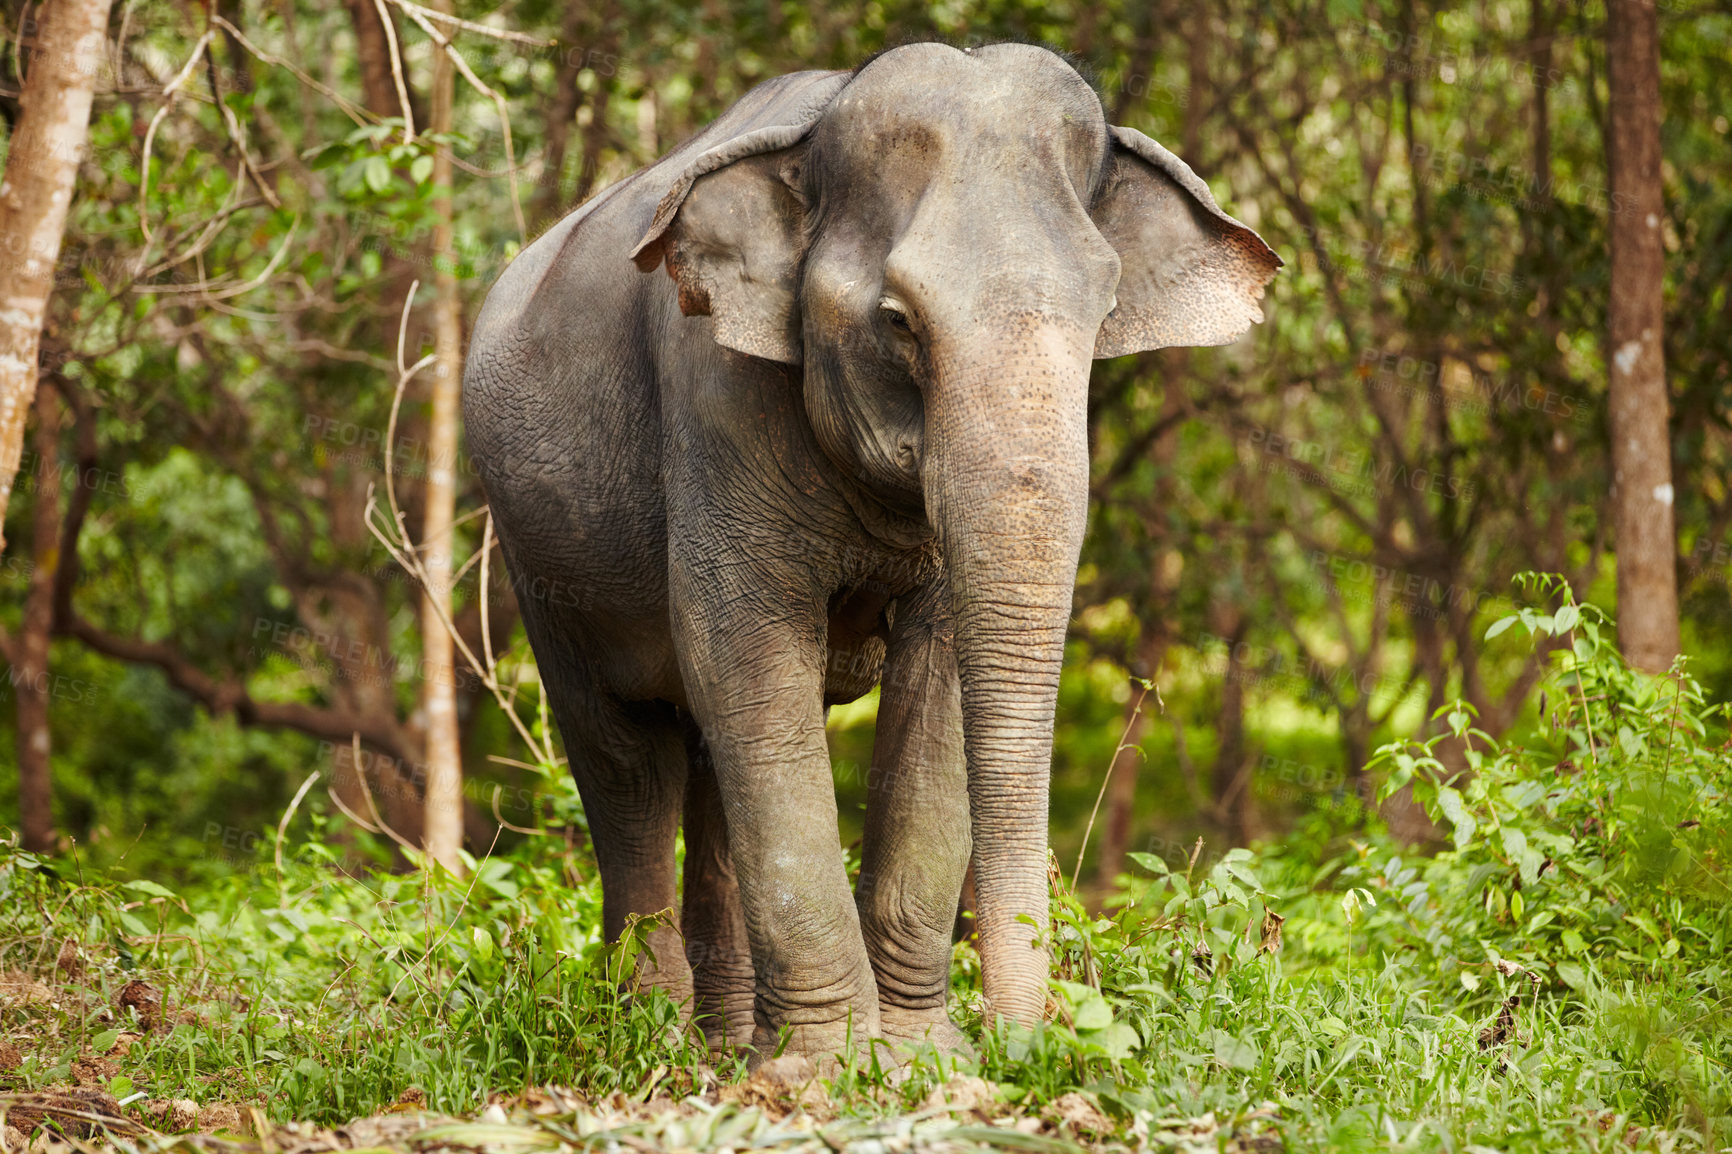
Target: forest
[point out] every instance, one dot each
(1389, 795)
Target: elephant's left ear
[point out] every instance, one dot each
(731, 231)
(1190, 274)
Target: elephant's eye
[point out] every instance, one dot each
(896, 315)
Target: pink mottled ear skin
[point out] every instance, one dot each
(1190, 274)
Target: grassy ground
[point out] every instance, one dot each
(1554, 979)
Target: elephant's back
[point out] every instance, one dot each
(561, 401)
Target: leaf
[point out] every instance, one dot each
(1354, 900)
(1155, 865)
(1515, 843)
(483, 942)
(1089, 1010)
(421, 168)
(1244, 874)
(1450, 802)
(376, 171)
(1573, 942)
(1119, 1040)
(1572, 975)
(1234, 1052)
(1566, 619)
(1332, 1026)
(1469, 981)
(104, 1042)
(1501, 625)
(148, 887)
(1093, 1013)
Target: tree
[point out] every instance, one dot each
(35, 194)
(1642, 492)
(27, 653)
(443, 835)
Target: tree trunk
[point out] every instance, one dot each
(443, 835)
(562, 109)
(595, 133)
(1229, 780)
(30, 677)
(41, 168)
(373, 40)
(1641, 443)
(1540, 37)
(1121, 799)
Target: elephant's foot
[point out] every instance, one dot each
(909, 1030)
(662, 966)
(829, 1046)
(725, 1019)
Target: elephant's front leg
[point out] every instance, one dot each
(754, 677)
(917, 825)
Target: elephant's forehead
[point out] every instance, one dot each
(933, 108)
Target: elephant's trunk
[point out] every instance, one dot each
(1006, 480)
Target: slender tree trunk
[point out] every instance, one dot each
(1197, 88)
(373, 51)
(562, 110)
(30, 676)
(1641, 441)
(1138, 73)
(443, 835)
(1540, 36)
(595, 133)
(1229, 780)
(41, 168)
(1121, 799)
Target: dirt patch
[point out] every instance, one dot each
(19, 990)
(82, 1113)
(143, 999)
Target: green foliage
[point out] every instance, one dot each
(1556, 974)
(325, 996)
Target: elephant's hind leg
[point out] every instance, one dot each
(629, 761)
(715, 926)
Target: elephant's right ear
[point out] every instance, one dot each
(1189, 273)
(732, 234)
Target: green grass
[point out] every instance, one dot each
(1555, 979)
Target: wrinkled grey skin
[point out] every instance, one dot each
(841, 439)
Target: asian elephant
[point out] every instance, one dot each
(841, 442)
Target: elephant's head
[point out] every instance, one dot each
(944, 245)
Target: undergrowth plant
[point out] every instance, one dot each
(1554, 977)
